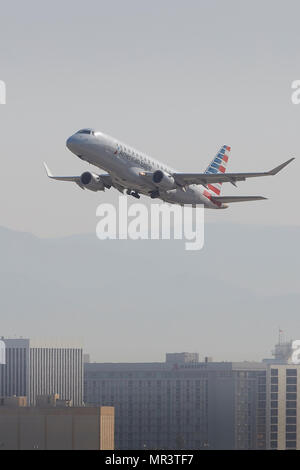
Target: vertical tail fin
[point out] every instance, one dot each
(218, 165)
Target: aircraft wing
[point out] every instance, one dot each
(207, 178)
(225, 199)
(105, 177)
(74, 179)
(106, 180)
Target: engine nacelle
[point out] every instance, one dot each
(91, 181)
(163, 180)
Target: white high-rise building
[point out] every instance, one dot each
(35, 368)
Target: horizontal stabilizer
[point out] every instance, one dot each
(227, 199)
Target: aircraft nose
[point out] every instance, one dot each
(70, 142)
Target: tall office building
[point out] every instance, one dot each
(182, 403)
(35, 368)
(283, 396)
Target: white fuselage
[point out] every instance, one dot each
(125, 164)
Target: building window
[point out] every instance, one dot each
(291, 388)
(291, 420)
(291, 380)
(290, 428)
(291, 412)
(290, 444)
(291, 396)
(290, 372)
(291, 404)
(290, 436)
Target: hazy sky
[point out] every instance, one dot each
(175, 79)
(133, 301)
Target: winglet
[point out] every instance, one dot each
(280, 167)
(49, 174)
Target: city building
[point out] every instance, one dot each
(182, 403)
(56, 428)
(282, 353)
(283, 398)
(182, 358)
(177, 404)
(35, 368)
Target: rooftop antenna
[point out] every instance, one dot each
(279, 336)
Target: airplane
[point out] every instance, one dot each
(137, 173)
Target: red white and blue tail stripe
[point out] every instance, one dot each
(218, 165)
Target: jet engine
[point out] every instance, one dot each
(163, 180)
(92, 182)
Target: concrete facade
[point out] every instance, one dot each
(57, 428)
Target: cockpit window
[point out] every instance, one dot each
(85, 131)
